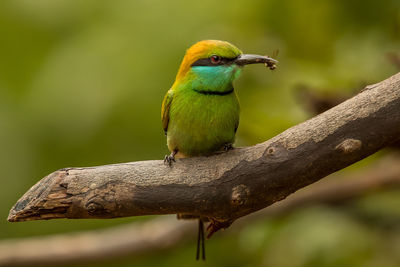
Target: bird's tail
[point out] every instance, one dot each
(201, 242)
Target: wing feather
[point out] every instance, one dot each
(166, 104)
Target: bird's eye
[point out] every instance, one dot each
(215, 59)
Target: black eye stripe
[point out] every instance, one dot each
(207, 62)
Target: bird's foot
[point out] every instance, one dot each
(168, 159)
(228, 146)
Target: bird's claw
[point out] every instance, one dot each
(228, 146)
(168, 159)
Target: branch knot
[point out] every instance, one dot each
(349, 146)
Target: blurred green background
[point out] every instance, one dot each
(81, 84)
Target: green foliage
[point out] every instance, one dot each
(81, 83)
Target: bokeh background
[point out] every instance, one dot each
(81, 84)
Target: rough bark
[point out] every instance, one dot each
(229, 185)
(166, 232)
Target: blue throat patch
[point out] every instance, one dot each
(217, 79)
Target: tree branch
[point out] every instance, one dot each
(229, 185)
(385, 174)
(166, 232)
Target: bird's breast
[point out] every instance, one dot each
(201, 124)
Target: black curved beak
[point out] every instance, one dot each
(246, 59)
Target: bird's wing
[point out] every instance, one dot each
(236, 125)
(166, 104)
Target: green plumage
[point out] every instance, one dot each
(200, 112)
(200, 124)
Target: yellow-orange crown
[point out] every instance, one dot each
(205, 49)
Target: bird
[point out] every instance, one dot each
(200, 112)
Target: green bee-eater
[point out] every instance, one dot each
(200, 113)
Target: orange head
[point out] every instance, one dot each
(205, 50)
(217, 53)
